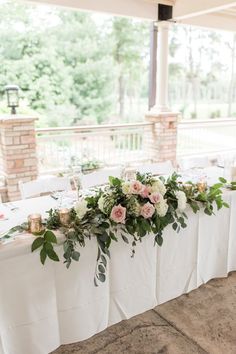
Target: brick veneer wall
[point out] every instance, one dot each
(18, 158)
(161, 139)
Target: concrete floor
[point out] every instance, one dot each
(203, 321)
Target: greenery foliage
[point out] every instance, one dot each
(67, 64)
(127, 210)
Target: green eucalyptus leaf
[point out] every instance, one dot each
(102, 277)
(159, 240)
(75, 256)
(175, 226)
(101, 268)
(68, 263)
(104, 261)
(124, 238)
(112, 236)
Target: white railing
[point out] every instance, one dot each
(206, 137)
(114, 144)
(58, 148)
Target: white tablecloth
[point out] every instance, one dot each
(42, 307)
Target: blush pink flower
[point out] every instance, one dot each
(147, 210)
(136, 187)
(145, 192)
(155, 197)
(118, 214)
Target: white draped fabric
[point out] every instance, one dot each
(42, 307)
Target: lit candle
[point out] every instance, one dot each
(64, 215)
(35, 223)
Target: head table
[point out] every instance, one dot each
(42, 307)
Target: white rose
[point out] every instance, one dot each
(158, 186)
(161, 207)
(126, 188)
(182, 200)
(81, 208)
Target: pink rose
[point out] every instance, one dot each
(145, 192)
(136, 187)
(118, 214)
(147, 210)
(155, 197)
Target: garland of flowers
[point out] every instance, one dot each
(138, 208)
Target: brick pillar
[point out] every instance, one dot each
(161, 137)
(18, 160)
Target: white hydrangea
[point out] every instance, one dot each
(134, 207)
(101, 203)
(158, 186)
(182, 200)
(81, 208)
(126, 188)
(162, 207)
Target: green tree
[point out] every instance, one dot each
(130, 49)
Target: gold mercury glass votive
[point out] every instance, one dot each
(201, 186)
(35, 223)
(188, 187)
(64, 215)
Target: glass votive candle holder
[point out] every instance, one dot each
(202, 187)
(188, 187)
(35, 223)
(64, 216)
(130, 174)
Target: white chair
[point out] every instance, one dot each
(100, 177)
(43, 186)
(159, 168)
(194, 162)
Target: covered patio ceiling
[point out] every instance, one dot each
(220, 14)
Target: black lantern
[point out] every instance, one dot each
(12, 97)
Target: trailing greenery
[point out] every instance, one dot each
(127, 210)
(137, 208)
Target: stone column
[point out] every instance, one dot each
(18, 158)
(161, 138)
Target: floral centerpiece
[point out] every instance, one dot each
(143, 207)
(123, 209)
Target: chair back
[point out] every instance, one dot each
(159, 168)
(44, 186)
(100, 177)
(194, 162)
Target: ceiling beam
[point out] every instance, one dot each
(163, 2)
(130, 8)
(217, 21)
(184, 9)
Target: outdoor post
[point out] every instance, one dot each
(162, 67)
(18, 159)
(161, 140)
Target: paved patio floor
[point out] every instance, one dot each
(203, 321)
